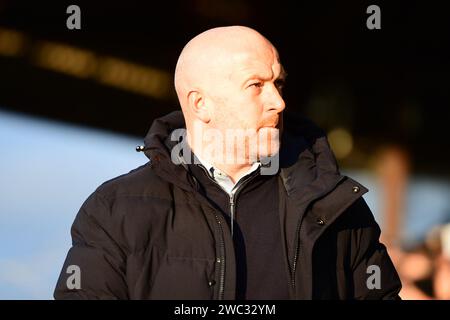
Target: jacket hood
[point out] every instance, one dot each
(305, 155)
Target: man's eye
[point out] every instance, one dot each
(279, 85)
(256, 85)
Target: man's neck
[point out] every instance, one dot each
(234, 170)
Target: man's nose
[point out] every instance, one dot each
(275, 101)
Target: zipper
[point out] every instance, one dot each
(297, 234)
(234, 196)
(297, 247)
(222, 241)
(221, 254)
(232, 212)
(222, 260)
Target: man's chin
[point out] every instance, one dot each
(272, 152)
(268, 142)
(269, 132)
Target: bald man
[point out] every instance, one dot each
(230, 205)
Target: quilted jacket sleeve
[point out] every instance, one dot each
(374, 275)
(95, 264)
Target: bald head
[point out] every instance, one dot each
(209, 58)
(229, 79)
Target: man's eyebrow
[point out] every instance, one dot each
(282, 76)
(262, 76)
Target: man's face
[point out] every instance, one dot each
(248, 96)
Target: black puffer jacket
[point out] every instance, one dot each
(148, 234)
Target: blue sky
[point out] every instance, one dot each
(48, 169)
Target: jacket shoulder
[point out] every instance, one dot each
(139, 182)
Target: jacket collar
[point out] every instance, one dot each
(158, 145)
(305, 157)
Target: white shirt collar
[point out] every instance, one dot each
(222, 178)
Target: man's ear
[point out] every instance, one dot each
(197, 104)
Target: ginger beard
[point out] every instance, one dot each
(232, 140)
(268, 142)
(246, 146)
(233, 146)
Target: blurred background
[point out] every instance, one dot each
(74, 104)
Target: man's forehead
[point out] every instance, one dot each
(248, 66)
